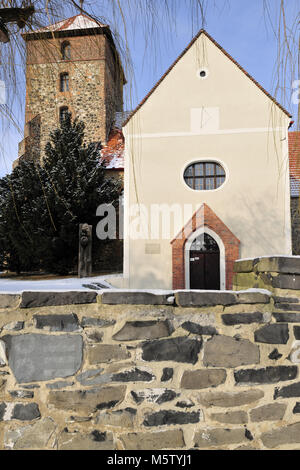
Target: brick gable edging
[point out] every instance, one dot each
(203, 217)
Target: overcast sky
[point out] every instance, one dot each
(239, 26)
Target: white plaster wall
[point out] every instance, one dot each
(247, 134)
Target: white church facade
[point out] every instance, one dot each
(208, 148)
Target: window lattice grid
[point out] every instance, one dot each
(204, 176)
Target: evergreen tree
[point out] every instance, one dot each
(41, 206)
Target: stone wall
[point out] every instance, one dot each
(279, 274)
(295, 218)
(149, 370)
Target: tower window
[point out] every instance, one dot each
(63, 112)
(64, 82)
(66, 50)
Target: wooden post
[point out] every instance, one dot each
(85, 251)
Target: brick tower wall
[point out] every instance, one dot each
(95, 87)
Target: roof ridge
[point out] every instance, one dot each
(64, 22)
(203, 31)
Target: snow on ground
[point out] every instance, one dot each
(9, 286)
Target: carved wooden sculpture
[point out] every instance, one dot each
(85, 251)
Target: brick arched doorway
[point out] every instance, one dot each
(204, 221)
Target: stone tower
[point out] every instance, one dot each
(71, 66)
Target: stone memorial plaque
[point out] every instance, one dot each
(34, 357)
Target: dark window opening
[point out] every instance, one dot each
(204, 176)
(63, 112)
(66, 50)
(64, 82)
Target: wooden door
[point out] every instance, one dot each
(205, 264)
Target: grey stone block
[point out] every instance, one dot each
(289, 391)
(288, 307)
(280, 264)
(154, 395)
(272, 334)
(105, 353)
(120, 418)
(34, 357)
(268, 375)
(285, 300)
(35, 436)
(93, 335)
(275, 355)
(242, 318)
(26, 412)
(204, 298)
(144, 330)
(271, 412)
(46, 299)
(282, 436)
(253, 297)
(169, 439)
(134, 375)
(60, 384)
(87, 401)
(20, 411)
(9, 300)
(99, 322)
(21, 393)
(197, 329)
(14, 326)
(287, 317)
(217, 437)
(286, 281)
(230, 417)
(95, 440)
(202, 378)
(185, 404)
(180, 349)
(244, 266)
(225, 351)
(296, 408)
(170, 417)
(57, 322)
(230, 399)
(135, 297)
(297, 332)
(167, 374)
(93, 377)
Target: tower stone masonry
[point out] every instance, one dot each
(71, 66)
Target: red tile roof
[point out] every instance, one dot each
(112, 154)
(294, 159)
(80, 21)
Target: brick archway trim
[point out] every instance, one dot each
(203, 217)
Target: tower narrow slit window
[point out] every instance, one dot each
(66, 50)
(63, 113)
(64, 82)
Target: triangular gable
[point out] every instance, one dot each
(202, 31)
(206, 217)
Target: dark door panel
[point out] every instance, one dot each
(205, 264)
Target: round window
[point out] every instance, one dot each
(202, 73)
(203, 176)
